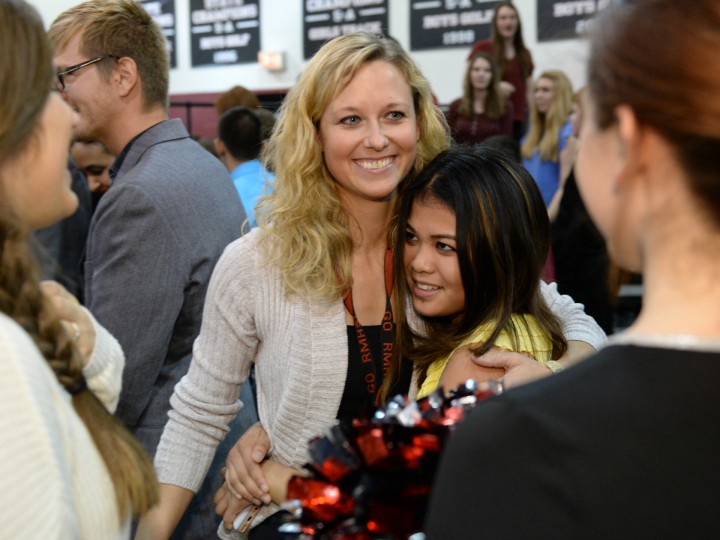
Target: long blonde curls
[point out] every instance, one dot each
(544, 131)
(308, 238)
(26, 64)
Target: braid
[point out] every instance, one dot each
(22, 299)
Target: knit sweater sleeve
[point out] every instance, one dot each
(206, 398)
(576, 324)
(104, 371)
(31, 458)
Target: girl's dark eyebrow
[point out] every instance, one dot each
(433, 236)
(443, 236)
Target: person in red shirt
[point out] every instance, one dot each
(514, 60)
(483, 110)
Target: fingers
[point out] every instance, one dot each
(220, 500)
(228, 507)
(502, 358)
(262, 443)
(525, 374)
(519, 368)
(507, 88)
(61, 298)
(74, 319)
(234, 507)
(245, 479)
(244, 476)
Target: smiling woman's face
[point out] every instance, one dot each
(369, 133)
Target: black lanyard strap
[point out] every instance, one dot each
(370, 378)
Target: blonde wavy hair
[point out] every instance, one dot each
(544, 131)
(303, 221)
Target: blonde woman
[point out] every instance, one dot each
(306, 296)
(550, 128)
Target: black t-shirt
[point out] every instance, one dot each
(624, 445)
(356, 400)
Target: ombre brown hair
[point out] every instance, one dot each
(121, 28)
(671, 84)
(503, 238)
(25, 81)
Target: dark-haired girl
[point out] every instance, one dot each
(473, 235)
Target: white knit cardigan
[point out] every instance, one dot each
(300, 351)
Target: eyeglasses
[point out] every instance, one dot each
(72, 69)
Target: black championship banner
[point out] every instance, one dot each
(163, 13)
(224, 31)
(324, 20)
(558, 20)
(436, 24)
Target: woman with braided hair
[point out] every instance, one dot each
(68, 469)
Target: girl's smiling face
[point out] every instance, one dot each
(506, 22)
(431, 263)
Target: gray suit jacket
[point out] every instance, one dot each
(153, 242)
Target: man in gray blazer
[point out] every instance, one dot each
(159, 230)
(171, 210)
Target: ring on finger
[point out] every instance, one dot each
(76, 331)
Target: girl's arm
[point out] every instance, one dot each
(462, 366)
(206, 398)
(160, 522)
(567, 152)
(567, 160)
(576, 325)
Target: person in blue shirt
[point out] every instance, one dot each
(238, 145)
(549, 130)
